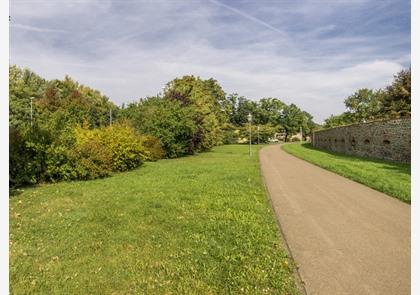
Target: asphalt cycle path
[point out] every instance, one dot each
(345, 237)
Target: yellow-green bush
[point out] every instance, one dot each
(79, 153)
(153, 146)
(92, 157)
(113, 148)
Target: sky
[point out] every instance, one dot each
(310, 53)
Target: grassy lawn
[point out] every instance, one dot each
(199, 224)
(391, 178)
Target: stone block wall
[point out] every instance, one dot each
(385, 140)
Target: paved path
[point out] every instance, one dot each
(345, 237)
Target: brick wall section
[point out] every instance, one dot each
(385, 140)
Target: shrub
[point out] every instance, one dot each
(113, 148)
(77, 153)
(58, 164)
(22, 167)
(92, 157)
(27, 148)
(125, 146)
(153, 147)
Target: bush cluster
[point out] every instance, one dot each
(79, 153)
(68, 136)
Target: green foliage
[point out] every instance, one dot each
(239, 107)
(55, 147)
(293, 119)
(269, 110)
(59, 164)
(23, 159)
(186, 120)
(166, 120)
(266, 112)
(338, 120)
(204, 99)
(93, 158)
(69, 103)
(23, 85)
(153, 147)
(367, 104)
(231, 133)
(364, 105)
(397, 101)
(125, 146)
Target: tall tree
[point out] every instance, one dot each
(291, 120)
(364, 104)
(23, 85)
(397, 100)
(204, 98)
(269, 111)
(167, 120)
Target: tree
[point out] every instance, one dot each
(57, 107)
(396, 102)
(244, 107)
(364, 104)
(67, 102)
(307, 124)
(268, 111)
(204, 99)
(291, 120)
(167, 120)
(23, 85)
(338, 120)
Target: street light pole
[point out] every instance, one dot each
(301, 134)
(250, 132)
(110, 117)
(281, 113)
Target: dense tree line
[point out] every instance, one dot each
(366, 104)
(68, 135)
(267, 112)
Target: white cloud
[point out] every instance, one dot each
(131, 49)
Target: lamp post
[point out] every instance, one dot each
(250, 136)
(301, 134)
(281, 114)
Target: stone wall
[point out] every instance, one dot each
(385, 140)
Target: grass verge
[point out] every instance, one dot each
(199, 224)
(390, 178)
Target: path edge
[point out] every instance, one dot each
(280, 233)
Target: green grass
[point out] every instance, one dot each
(194, 225)
(390, 178)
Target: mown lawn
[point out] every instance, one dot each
(390, 178)
(194, 225)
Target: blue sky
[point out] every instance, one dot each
(311, 53)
